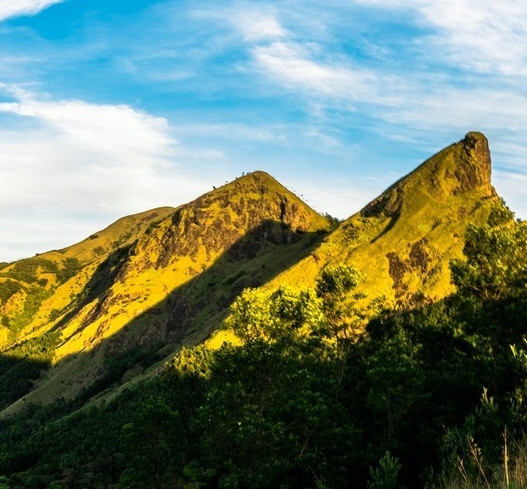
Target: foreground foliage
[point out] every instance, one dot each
(300, 400)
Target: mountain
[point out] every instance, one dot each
(402, 242)
(108, 310)
(148, 282)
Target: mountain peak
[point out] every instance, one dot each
(461, 168)
(475, 164)
(403, 240)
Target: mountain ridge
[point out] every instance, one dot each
(392, 235)
(164, 278)
(154, 287)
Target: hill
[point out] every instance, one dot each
(101, 312)
(243, 340)
(402, 242)
(149, 281)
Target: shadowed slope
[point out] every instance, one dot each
(175, 273)
(34, 291)
(176, 277)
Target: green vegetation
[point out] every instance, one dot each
(8, 289)
(388, 353)
(34, 295)
(27, 280)
(70, 268)
(421, 398)
(27, 270)
(22, 364)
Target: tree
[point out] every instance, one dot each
(280, 316)
(495, 265)
(156, 445)
(270, 413)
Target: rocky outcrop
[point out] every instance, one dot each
(474, 169)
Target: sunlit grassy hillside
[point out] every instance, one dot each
(151, 281)
(109, 308)
(402, 242)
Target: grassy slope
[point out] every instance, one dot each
(198, 256)
(171, 278)
(403, 241)
(89, 253)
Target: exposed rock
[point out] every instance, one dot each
(474, 169)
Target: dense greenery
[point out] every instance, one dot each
(8, 289)
(27, 281)
(22, 364)
(300, 400)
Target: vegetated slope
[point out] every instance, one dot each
(26, 284)
(122, 299)
(296, 402)
(402, 242)
(104, 310)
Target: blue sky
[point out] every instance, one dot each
(108, 108)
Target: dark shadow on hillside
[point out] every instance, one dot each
(98, 286)
(252, 261)
(17, 376)
(195, 307)
(393, 221)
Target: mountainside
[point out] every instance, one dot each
(103, 311)
(402, 241)
(149, 281)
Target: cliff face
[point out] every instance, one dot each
(475, 168)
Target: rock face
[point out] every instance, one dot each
(474, 170)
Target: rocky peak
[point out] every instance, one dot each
(474, 168)
(460, 168)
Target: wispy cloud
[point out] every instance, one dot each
(290, 64)
(15, 8)
(93, 126)
(289, 57)
(258, 24)
(490, 37)
(68, 158)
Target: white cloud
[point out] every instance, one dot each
(15, 8)
(257, 24)
(487, 36)
(459, 107)
(290, 64)
(95, 127)
(278, 55)
(253, 22)
(74, 161)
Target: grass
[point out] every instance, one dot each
(194, 255)
(472, 471)
(403, 241)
